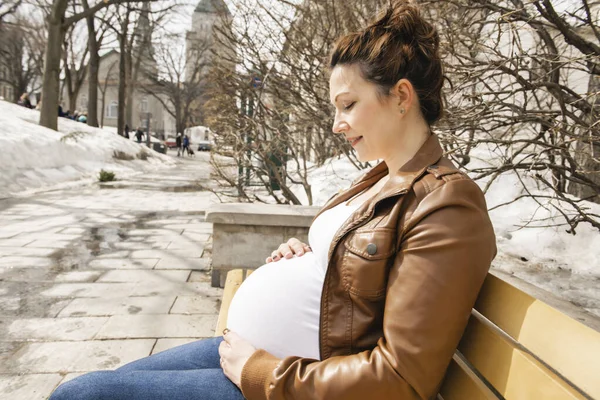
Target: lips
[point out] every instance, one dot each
(354, 140)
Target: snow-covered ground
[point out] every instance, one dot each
(548, 257)
(36, 158)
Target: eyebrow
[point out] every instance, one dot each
(338, 95)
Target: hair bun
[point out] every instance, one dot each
(401, 19)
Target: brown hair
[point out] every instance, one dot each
(399, 44)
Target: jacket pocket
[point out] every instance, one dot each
(365, 268)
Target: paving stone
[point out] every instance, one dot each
(25, 251)
(8, 234)
(45, 329)
(85, 356)
(28, 387)
(196, 237)
(123, 263)
(25, 262)
(200, 276)
(49, 244)
(154, 232)
(183, 263)
(16, 242)
(49, 236)
(91, 307)
(140, 245)
(205, 227)
(105, 290)
(141, 275)
(186, 245)
(175, 288)
(196, 305)
(74, 231)
(190, 253)
(158, 326)
(166, 344)
(71, 376)
(164, 222)
(78, 276)
(9, 304)
(116, 254)
(9, 274)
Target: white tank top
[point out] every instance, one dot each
(277, 308)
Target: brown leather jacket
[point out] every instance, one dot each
(403, 275)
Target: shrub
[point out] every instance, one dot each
(106, 176)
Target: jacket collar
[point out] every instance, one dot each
(429, 153)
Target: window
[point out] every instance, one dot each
(112, 110)
(144, 104)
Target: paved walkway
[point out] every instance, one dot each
(94, 277)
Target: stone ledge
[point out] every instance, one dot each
(261, 214)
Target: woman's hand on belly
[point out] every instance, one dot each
(234, 352)
(288, 250)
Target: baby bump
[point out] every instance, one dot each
(277, 308)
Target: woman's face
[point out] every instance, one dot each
(371, 124)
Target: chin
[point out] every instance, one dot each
(365, 157)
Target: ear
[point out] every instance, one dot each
(403, 93)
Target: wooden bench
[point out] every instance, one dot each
(516, 346)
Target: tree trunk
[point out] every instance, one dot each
(130, 87)
(92, 117)
(73, 100)
(122, 74)
(51, 81)
(587, 151)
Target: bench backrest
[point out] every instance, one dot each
(518, 347)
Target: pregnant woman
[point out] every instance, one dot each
(374, 305)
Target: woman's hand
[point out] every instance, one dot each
(287, 250)
(234, 352)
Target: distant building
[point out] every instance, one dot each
(204, 48)
(161, 122)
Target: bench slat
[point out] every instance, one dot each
(461, 383)
(234, 280)
(514, 373)
(570, 347)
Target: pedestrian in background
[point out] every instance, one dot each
(139, 134)
(178, 143)
(186, 144)
(24, 101)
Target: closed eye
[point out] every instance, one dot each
(349, 106)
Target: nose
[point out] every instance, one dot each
(339, 126)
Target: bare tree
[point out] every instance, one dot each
(22, 46)
(280, 124)
(517, 70)
(180, 82)
(58, 23)
(75, 62)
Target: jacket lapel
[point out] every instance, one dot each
(429, 154)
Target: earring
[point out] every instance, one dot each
(402, 111)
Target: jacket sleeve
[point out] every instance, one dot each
(446, 249)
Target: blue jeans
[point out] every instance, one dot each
(188, 372)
